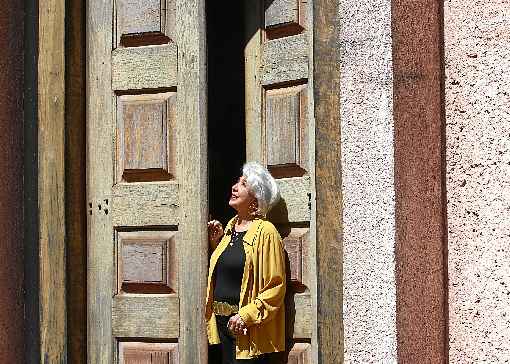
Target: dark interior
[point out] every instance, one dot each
(226, 120)
(225, 110)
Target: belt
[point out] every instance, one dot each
(224, 308)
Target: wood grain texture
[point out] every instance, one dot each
(281, 12)
(126, 207)
(144, 22)
(147, 262)
(278, 130)
(285, 59)
(253, 93)
(151, 67)
(282, 122)
(146, 137)
(302, 317)
(51, 150)
(100, 137)
(152, 316)
(297, 246)
(144, 204)
(284, 18)
(300, 353)
(312, 267)
(143, 262)
(192, 132)
(286, 131)
(134, 17)
(143, 352)
(299, 315)
(294, 205)
(329, 241)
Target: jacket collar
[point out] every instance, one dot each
(250, 233)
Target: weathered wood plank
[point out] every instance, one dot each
(286, 129)
(51, 181)
(192, 151)
(135, 17)
(280, 12)
(295, 203)
(151, 316)
(328, 182)
(144, 204)
(282, 123)
(146, 137)
(297, 243)
(100, 136)
(144, 352)
(300, 353)
(278, 68)
(303, 323)
(147, 261)
(285, 59)
(253, 94)
(311, 170)
(149, 67)
(144, 22)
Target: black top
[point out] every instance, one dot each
(229, 270)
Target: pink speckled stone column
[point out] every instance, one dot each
(477, 58)
(368, 184)
(419, 182)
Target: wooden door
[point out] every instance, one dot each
(280, 134)
(146, 181)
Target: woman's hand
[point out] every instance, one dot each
(215, 230)
(237, 325)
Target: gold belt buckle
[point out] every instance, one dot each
(224, 308)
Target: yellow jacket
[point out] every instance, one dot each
(262, 291)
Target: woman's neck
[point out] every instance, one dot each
(243, 221)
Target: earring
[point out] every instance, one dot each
(254, 208)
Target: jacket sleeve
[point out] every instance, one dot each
(271, 295)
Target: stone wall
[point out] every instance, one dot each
(426, 181)
(477, 87)
(368, 184)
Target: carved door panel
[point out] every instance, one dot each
(280, 130)
(146, 181)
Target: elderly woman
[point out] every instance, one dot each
(246, 285)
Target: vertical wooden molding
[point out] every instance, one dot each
(329, 244)
(99, 180)
(253, 93)
(192, 167)
(51, 185)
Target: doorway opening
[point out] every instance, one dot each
(225, 109)
(226, 103)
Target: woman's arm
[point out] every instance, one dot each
(271, 296)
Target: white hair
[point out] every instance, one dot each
(262, 185)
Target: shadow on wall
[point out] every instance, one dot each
(280, 217)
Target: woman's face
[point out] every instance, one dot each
(241, 198)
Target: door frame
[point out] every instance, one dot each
(52, 117)
(328, 182)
